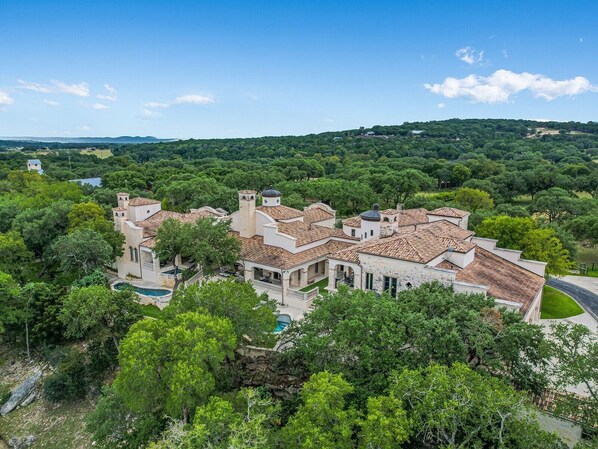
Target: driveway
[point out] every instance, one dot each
(587, 282)
(587, 299)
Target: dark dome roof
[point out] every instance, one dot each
(371, 215)
(271, 193)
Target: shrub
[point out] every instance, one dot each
(70, 380)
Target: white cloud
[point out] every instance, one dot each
(503, 84)
(441, 105)
(36, 87)
(148, 113)
(80, 90)
(469, 55)
(5, 99)
(505, 54)
(112, 94)
(194, 99)
(184, 99)
(99, 106)
(51, 103)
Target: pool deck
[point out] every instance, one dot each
(144, 299)
(293, 307)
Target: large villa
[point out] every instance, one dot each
(285, 250)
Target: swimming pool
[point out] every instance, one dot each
(157, 292)
(282, 321)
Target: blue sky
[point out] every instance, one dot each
(233, 68)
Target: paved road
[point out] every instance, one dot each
(586, 298)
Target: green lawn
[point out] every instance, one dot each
(321, 284)
(555, 305)
(151, 310)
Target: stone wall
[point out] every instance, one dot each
(406, 272)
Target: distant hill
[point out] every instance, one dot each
(86, 140)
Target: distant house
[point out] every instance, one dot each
(35, 165)
(93, 182)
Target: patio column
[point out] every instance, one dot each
(304, 273)
(285, 281)
(156, 262)
(357, 277)
(331, 276)
(248, 274)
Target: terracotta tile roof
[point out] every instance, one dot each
(119, 209)
(280, 212)
(150, 226)
(309, 233)
(449, 212)
(409, 217)
(444, 228)
(390, 211)
(354, 222)
(316, 215)
(504, 279)
(247, 192)
(140, 201)
(149, 243)
(254, 250)
(420, 246)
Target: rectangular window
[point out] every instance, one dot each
(390, 285)
(131, 253)
(372, 232)
(369, 281)
(352, 232)
(136, 254)
(317, 268)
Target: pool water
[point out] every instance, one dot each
(282, 321)
(142, 290)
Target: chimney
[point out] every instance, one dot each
(247, 213)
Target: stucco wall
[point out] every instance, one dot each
(367, 227)
(347, 230)
(133, 237)
(274, 238)
(140, 213)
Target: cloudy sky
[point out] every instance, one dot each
(252, 68)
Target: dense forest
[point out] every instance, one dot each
(433, 369)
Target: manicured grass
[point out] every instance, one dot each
(151, 310)
(555, 305)
(322, 284)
